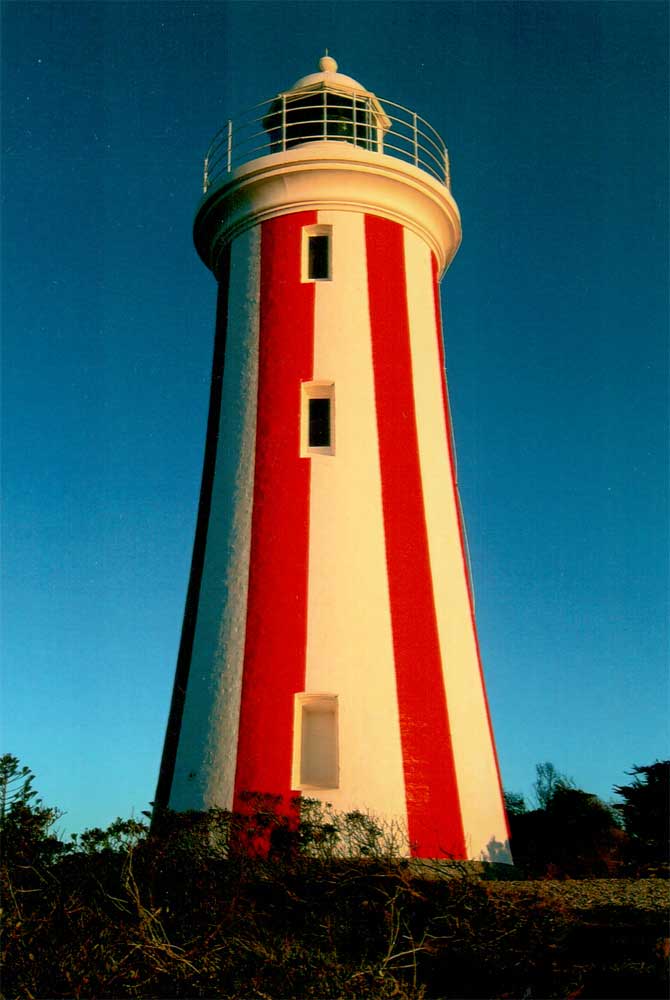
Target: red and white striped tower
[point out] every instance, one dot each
(329, 643)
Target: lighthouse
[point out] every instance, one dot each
(329, 647)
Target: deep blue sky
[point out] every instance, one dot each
(556, 321)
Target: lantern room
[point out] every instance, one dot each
(326, 105)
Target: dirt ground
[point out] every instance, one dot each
(652, 894)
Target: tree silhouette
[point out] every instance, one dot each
(24, 821)
(515, 804)
(645, 812)
(16, 784)
(547, 782)
(570, 833)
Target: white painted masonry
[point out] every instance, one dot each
(349, 638)
(329, 176)
(206, 760)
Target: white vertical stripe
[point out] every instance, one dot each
(476, 772)
(206, 759)
(349, 637)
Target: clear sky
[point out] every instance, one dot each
(556, 323)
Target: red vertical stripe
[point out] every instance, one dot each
(459, 515)
(276, 628)
(435, 825)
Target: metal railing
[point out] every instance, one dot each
(296, 118)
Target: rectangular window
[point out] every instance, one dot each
(317, 419)
(319, 422)
(315, 749)
(317, 253)
(318, 248)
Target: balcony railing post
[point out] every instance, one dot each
(283, 123)
(205, 176)
(447, 170)
(416, 140)
(229, 150)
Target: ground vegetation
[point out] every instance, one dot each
(278, 902)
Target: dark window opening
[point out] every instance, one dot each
(318, 253)
(319, 423)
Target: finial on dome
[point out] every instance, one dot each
(327, 64)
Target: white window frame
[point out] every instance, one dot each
(318, 230)
(305, 702)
